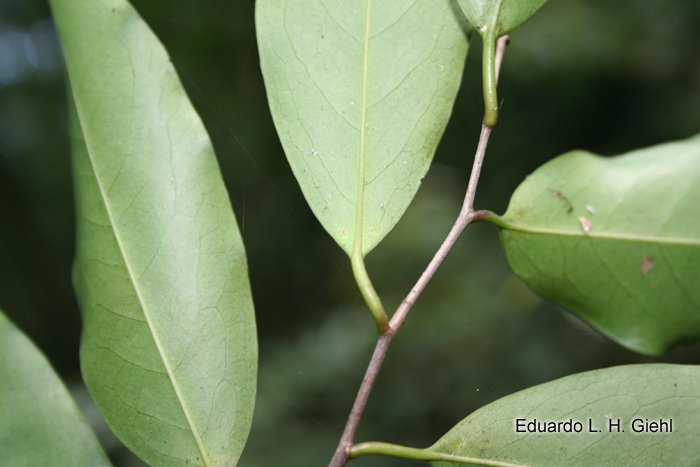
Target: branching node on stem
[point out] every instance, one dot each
(466, 216)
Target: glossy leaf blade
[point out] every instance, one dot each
(169, 348)
(598, 400)
(502, 15)
(39, 422)
(616, 241)
(360, 92)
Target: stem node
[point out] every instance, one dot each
(388, 329)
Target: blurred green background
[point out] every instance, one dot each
(591, 74)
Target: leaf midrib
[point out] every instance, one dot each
(359, 206)
(161, 352)
(602, 236)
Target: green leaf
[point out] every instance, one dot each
(39, 422)
(494, 18)
(360, 93)
(599, 400)
(502, 16)
(615, 240)
(169, 349)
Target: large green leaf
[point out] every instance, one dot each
(39, 422)
(599, 400)
(169, 348)
(360, 93)
(615, 240)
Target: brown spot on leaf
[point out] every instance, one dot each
(585, 224)
(563, 196)
(646, 265)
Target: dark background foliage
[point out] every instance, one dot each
(590, 74)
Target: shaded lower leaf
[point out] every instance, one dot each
(637, 398)
(615, 240)
(169, 348)
(39, 422)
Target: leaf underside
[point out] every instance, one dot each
(507, 15)
(169, 348)
(360, 92)
(616, 241)
(39, 422)
(598, 400)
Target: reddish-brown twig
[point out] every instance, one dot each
(466, 216)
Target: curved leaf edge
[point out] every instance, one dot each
(678, 378)
(59, 433)
(131, 19)
(512, 224)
